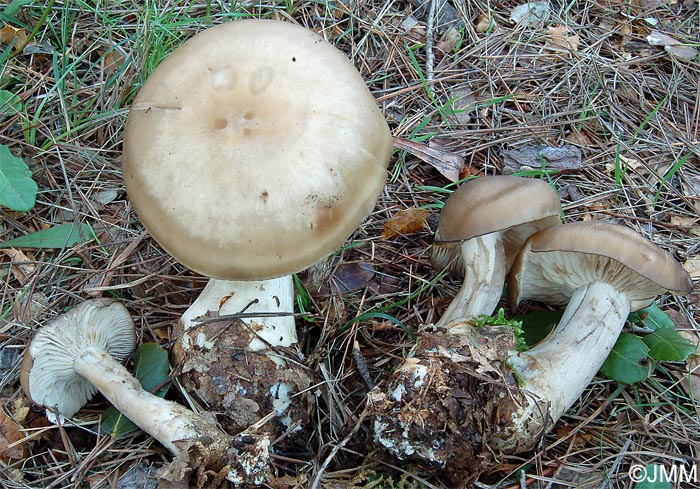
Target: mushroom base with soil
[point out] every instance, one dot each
(246, 366)
(445, 406)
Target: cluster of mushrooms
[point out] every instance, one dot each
(467, 393)
(254, 151)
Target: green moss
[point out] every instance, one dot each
(500, 319)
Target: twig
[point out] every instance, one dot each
(316, 483)
(362, 365)
(429, 40)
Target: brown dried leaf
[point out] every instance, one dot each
(579, 139)
(9, 435)
(113, 60)
(560, 37)
(22, 266)
(9, 34)
(447, 163)
(337, 279)
(461, 100)
(690, 379)
(449, 40)
(406, 221)
(672, 46)
(483, 23)
(689, 224)
(691, 188)
(692, 266)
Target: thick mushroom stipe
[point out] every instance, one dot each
(245, 366)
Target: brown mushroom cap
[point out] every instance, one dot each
(47, 375)
(516, 206)
(556, 261)
(254, 150)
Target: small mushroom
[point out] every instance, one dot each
(252, 152)
(468, 395)
(482, 226)
(79, 353)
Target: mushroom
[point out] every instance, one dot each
(252, 152)
(482, 226)
(78, 353)
(468, 394)
(603, 271)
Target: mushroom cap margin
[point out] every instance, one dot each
(554, 262)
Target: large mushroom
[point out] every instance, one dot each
(252, 152)
(79, 353)
(482, 226)
(469, 394)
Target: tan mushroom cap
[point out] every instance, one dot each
(254, 150)
(556, 261)
(513, 205)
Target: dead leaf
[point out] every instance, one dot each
(406, 221)
(9, 34)
(461, 100)
(692, 266)
(656, 3)
(113, 60)
(581, 437)
(688, 223)
(10, 434)
(337, 279)
(447, 163)
(672, 46)
(22, 266)
(691, 189)
(531, 13)
(560, 37)
(579, 139)
(690, 379)
(449, 40)
(483, 23)
(564, 158)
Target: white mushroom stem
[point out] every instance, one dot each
(274, 297)
(166, 421)
(557, 370)
(484, 276)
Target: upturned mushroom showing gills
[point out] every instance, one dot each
(482, 226)
(469, 394)
(78, 354)
(603, 272)
(252, 152)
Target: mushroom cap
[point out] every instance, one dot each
(47, 374)
(513, 205)
(556, 261)
(254, 150)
